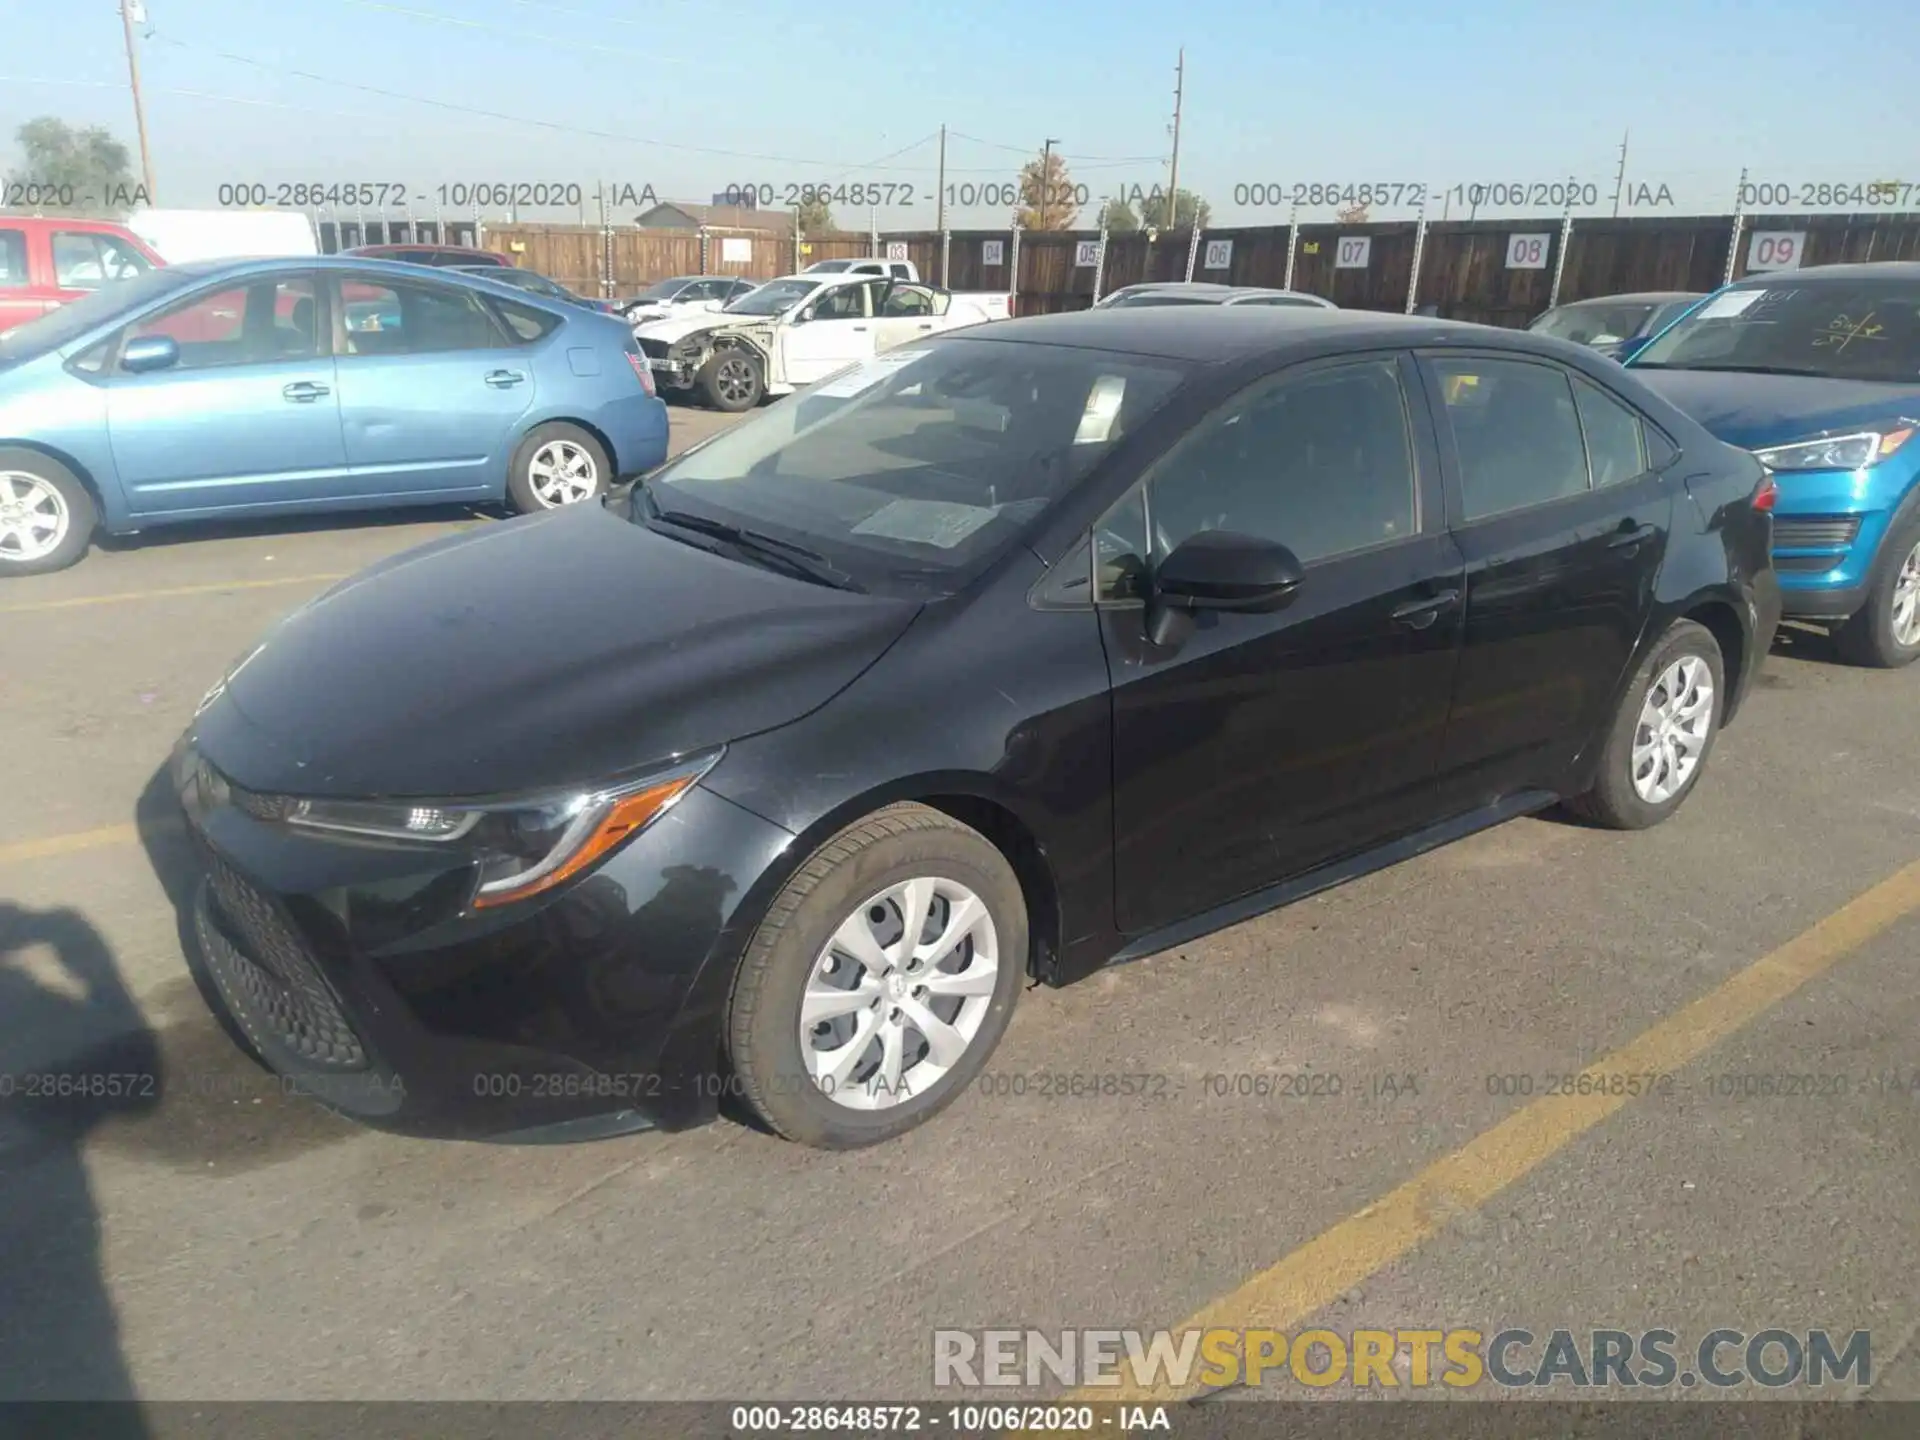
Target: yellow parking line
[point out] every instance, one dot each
(79, 600)
(1325, 1268)
(68, 844)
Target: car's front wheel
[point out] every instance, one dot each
(1884, 633)
(731, 381)
(46, 515)
(881, 979)
(1661, 735)
(557, 465)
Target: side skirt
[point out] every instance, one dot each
(1338, 872)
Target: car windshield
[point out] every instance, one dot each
(1840, 329)
(776, 297)
(59, 327)
(664, 289)
(1588, 324)
(911, 472)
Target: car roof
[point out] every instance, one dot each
(1839, 274)
(1230, 332)
(368, 265)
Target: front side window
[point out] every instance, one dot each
(1515, 431)
(1838, 329)
(394, 318)
(272, 318)
(848, 302)
(914, 470)
(13, 259)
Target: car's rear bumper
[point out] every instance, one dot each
(637, 428)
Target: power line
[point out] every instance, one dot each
(519, 35)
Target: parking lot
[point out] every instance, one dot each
(216, 1239)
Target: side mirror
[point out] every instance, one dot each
(150, 352)
(1223, 570)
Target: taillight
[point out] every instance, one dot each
(643, 370)
(1764, 497)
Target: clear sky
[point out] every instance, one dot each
(1436, 92)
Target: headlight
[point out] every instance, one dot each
(1836, 452)
(524, 845)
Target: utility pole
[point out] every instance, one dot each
(940, 190)
(131, 10)
(1046, 179)
(1173, 177)
(1620, 178)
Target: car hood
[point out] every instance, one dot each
(677, 327)
(534, 653)
(1755, 411)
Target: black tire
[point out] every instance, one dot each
(886, 848)
(1613, 801)
(76, 511)
(1866, 637)
(731, 381)
(520, 483)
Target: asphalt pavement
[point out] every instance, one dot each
(217, 1239)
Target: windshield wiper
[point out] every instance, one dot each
(767, 549)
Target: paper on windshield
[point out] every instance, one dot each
(864, 377)
(944, 523)
(1102, 409)
(1723, 306)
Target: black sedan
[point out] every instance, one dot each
(1002, 657)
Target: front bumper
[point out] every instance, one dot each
(359, 974)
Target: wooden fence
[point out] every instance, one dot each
(1464, 268)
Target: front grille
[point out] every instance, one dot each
(1814, 532)
(273, 981)
(1805, 564)
(653, 349)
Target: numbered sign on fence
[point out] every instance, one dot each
(1776, 249)
(1219, 255)
(993, 252)
(736, 250)
(896, 250)
(1086, 253)
(1528, 252)
(1354, 252)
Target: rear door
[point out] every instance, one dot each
(908, 312)
(247, 416)
(1563, 526)
(432, 388)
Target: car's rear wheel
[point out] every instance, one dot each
(881, 979)
(1884, 632)
(558, 465)
(731, 381)
(46, 515)
(1661, 735)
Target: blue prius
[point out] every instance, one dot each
(1817, 372)
(253, 388)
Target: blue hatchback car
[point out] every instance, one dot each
(253, 388)
(1817, 372)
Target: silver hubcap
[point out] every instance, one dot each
(1906, 601)
(734, 379)
(33, 517)
(1675, 721)
(899, 993)
(563, 473)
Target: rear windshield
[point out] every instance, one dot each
(1837, 329)
(61, 327)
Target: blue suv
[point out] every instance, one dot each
(1817, 372)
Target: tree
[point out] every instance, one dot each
(815, 218)
(1188, 209)
(1046, 194)
(1118, 217)
(89, 162)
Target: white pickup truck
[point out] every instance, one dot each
(894, 269)
(798, 329)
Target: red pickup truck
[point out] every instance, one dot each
(47, 261)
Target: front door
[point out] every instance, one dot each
(837, 331)
(1262, 745)
(247, 416)
(431, 389)
(1563, 526)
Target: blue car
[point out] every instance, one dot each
(249, 388)
(1817, 372)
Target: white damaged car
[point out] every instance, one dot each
(798, 329)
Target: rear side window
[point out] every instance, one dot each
(1516, 432)
(526, 323)
(1616, 441)
(13, 259)
(395, 318)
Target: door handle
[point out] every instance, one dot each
(303, 390)
(926, 324)
(1630, 539)
(501, 379)
(1419, 614)
(859, 329)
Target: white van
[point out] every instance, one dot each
(183, 235)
